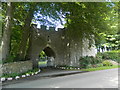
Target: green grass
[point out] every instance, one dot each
(42, 63)
(19, 74)
(101, 68)
(10, 75)
(0, 61)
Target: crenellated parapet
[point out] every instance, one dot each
(43, 27)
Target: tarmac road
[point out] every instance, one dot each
(96, 79)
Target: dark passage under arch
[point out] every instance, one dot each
(47, 58)
(49, 52)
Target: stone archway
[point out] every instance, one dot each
(47, 58)
(56, 44)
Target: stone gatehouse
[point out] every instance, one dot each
(55, 44)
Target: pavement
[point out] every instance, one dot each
(95, 79)
(45, 73)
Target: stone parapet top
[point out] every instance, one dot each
(43, 27)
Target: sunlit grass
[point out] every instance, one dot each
(42, 63)
(101, 68)
(0, 61)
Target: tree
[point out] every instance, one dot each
(88, 18)
(110, 39)
(5, 44)
(39, 10)
(26, 29)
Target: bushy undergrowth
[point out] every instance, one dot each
(107, 63)
(100, 59)
(9, 59)
(0, 61)
(89, 61)
(19, 74)
(113, 55)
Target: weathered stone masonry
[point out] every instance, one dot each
(16, 67)
(66, 51)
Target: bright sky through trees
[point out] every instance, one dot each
(49, 22)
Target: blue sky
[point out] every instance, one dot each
(46, 19)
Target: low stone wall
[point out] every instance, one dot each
(17, 67)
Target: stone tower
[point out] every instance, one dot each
(57, 45)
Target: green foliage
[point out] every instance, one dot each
(10, 75)
(87, 19)
(99, 56)
(1, 62)
(9, 59)
(107, 63)
(89, 66)
(89, 61)
(19, 74)
(113, 55)
(99, 65)
(34, 70)
(42, 54)
(42, 63)
(110, 41)
(98, 61)
(42, 12)
(15, 39)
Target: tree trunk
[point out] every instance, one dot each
(25, 34)
(5, 44)
(28, 53)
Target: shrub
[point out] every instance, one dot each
(19, 74)
(0, 61)
(89, 66)
(107, 63)
(10, 75)
(99, 65)
(99, 55)
(89, 61)
(84, 62)
(113, 55)
(9, 59)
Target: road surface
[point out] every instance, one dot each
(95, 79)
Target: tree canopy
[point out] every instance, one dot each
(87, 18)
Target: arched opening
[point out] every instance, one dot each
(47, 58)
(49, 52)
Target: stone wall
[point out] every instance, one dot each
(67, 51)
(86, 51)
(17, 67)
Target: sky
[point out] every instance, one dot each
(53, 23)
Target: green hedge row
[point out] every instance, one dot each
(90, 61)
(100, 59)
(113, 55)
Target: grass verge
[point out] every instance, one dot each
(0, 61)
(101, 68)
(13, 75)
